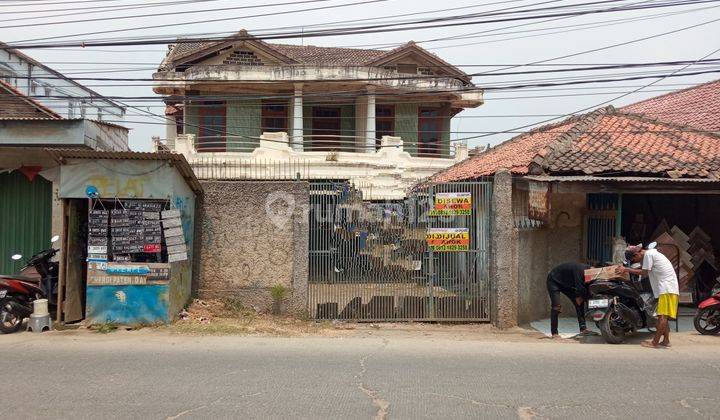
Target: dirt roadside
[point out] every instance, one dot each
(229, 318)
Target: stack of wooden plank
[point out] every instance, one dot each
(674, 245)
(689, 252)
(701, 248)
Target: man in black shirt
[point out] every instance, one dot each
(568, 279)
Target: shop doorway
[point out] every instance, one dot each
(684, 225)
(71, 290)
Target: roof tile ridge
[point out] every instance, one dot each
(682, 127)
(564, 141)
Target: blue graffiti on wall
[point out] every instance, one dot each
(129, 305)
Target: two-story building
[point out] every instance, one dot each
(375, 117)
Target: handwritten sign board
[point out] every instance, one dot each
(448, 239)
(452, 204)
(174, 235)
(538, 201)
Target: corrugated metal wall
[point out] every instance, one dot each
(25, 217)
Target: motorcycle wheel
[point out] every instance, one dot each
(707, 321)
(9, 321)
(610, 335)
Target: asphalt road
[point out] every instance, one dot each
(147, 375)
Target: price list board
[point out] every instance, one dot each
(98, 234)
(132, 227)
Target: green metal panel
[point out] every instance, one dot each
(307, 125)
(244, 118)
(406, 126)
(192, 121)
(347, 123)
(445, 135)
(25, 218)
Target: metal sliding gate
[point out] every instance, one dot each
(415, 259)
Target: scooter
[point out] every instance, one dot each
(620, 308)
(707, 318)
(18, 292)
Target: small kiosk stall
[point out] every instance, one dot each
(128, 236)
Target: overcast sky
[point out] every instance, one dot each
(500, 44)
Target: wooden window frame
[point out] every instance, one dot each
(270, 114)
(389, 119)
(326, 144)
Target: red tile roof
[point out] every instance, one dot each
(305, 54)
(606, 141)
(15, 104)
(698, 106)
(310, 54)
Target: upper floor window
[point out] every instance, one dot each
(274, 116)
(212, 130)
(384, 122)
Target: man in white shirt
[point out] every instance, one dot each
(664, 282)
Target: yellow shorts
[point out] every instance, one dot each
(668, 305)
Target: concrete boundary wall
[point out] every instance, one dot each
(254, 235)
(503, 245)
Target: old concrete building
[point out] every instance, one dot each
(371, 116)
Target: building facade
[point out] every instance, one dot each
(338, 108)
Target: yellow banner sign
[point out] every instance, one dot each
(448, 239)
(452, 204)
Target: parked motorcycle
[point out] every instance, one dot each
(707, 318)
(620, 308)
(17, 292)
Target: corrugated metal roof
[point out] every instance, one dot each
(178, 160)
(589, 178)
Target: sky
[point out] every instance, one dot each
(484, 48)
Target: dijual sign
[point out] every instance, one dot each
(452, 204)
(448, 239)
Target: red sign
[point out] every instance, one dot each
(150, 248)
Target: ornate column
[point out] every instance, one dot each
(297, 125)
(370, 121)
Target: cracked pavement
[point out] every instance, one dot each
(152, 375)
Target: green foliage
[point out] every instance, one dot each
(278, 292)
(105, 328)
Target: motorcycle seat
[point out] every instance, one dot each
(21, 278)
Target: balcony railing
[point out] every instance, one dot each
(315, 143)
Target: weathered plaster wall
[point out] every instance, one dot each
(254, 236)
(181, 272)
(532, 269)
(539, 250)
